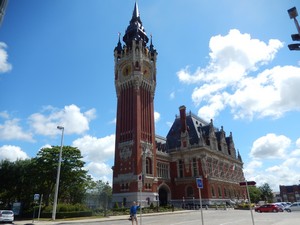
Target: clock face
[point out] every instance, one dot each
(146, 72)
(125, 153)
(126, 70)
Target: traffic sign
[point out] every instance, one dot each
(199, 182)
(249, 183)
(36, 197)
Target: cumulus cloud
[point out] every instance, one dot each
(298, 143)
(284, 173)
(274, 161)
(100, 171)
(4, 65)
(270, 146)
(252, 167)
(71, 117)
(98, 153)
(94, 149)
(235, 79)
(11, 130)
(156, 117)
(12, 153)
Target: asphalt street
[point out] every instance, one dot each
(190, 217)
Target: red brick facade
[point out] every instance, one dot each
(159, 170)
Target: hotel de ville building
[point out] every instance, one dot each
(163, 170)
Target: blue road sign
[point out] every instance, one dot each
(199, 182)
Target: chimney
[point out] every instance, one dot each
(183, 118)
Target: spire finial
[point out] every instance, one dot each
(136, 13)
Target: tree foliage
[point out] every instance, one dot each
(266, 192)
(21, 179)
(99, 195)
(255, 194)
(261, 193)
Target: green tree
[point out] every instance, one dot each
(74, 180)
(17, 182)
(255, 194)
(99, 195)
(20, 180)
(266, 192)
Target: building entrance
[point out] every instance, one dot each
(163, 196)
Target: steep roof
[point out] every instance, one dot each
(195, 127)
(135, 30)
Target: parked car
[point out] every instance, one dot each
(280, 205)
(293, 207)
(268, 208)
(6, 216)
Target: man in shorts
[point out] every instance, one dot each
(133, 211)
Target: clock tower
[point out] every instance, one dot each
(134, 170)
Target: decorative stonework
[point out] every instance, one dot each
(125, 152)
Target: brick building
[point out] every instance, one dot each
(290, 193)
(162, 170)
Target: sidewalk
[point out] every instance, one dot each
(78, 220)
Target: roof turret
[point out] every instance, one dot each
(119, 48)
(135, 30)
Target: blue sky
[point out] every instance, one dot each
(223, 59)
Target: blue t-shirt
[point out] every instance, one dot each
(133, 209)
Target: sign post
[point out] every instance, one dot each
(36, 197)
(140, 187)
(249, 183)
(199, 182)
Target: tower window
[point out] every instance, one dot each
(180, 168)
(163, 170)
(137, 65)
(195, 167)
(148, 166)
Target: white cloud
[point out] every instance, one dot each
(96, 150)
(4, 115)
(284, 173)
(11, 130)
(12, 153)
(4, 65)
(71, 118)
(252, 167)
(232, 79)
(271, 146)
(156, 117)
(172, 95)
(100, 171)
(298, 143)
(295, 153)
(98, 153)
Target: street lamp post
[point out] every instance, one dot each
(295, 37)
(58, 173)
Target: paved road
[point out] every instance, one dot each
(211, 217)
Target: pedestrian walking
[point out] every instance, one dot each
(133, 211)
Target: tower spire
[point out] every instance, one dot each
(135, 31)
(136, 12)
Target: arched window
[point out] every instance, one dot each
(148, 166)
(219, 192)
(180, 168)
(213, 191)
